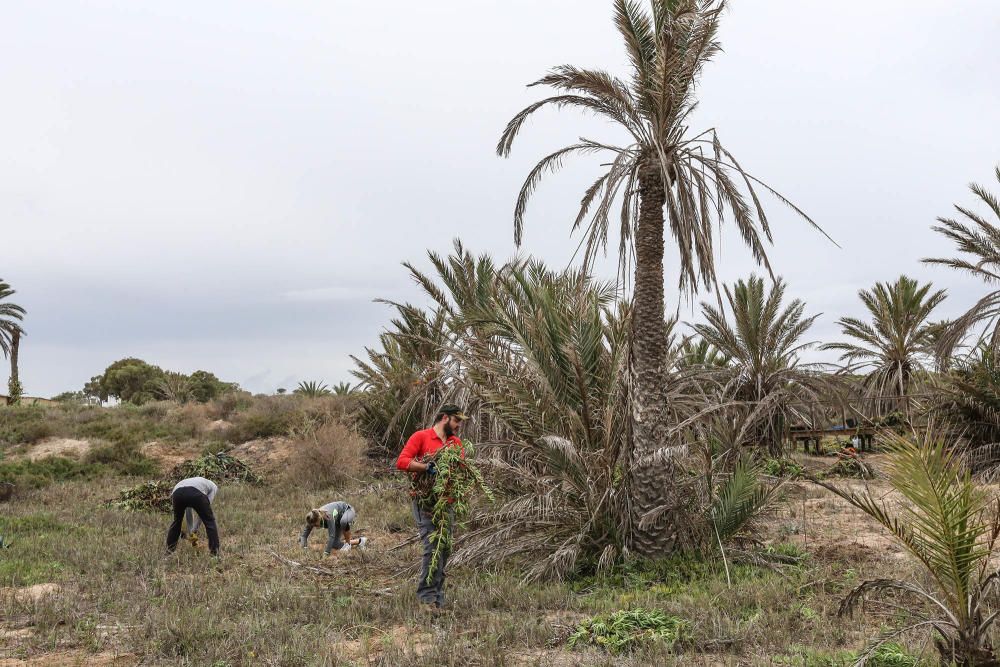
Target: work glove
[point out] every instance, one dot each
(362, 542)
(432, 469)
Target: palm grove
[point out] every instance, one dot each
(612, 430)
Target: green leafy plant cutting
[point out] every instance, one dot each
(456, 483)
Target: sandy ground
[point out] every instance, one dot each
(266, 453)
(828, 526)
(58, 447)
(169, 454)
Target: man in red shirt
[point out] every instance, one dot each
(423, 444)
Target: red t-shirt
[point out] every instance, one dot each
(423, 443)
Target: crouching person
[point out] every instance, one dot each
(190, 496)
(337, 518)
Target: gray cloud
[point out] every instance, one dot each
(228, 185)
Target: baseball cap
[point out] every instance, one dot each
(452, 410)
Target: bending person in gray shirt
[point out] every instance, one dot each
(194, 495)
(337, 518)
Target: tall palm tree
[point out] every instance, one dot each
(892, 346)
(11, 331)
(762, 340)
(979, 239)
(660, 164)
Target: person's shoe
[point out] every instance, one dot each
(346, 547)
(362, 542)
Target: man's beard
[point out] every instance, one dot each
(448, 430)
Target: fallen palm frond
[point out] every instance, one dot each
(320, 571)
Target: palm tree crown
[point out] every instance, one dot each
(978, 238)
(11, 316)
(892, 344)
(762, 340)
(667, 51)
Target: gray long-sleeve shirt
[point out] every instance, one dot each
(206, 486)
(341, 517)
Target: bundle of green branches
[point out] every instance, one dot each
(449, 500)
(219, 466)
(155, 496)
(851, 466)
(145, 497)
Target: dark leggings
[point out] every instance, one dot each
(183, 498)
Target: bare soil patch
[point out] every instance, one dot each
(829, 527)
(31, 594)
(170, 454)
(58, 447)
(265, 453)
(73, 658)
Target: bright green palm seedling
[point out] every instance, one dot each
(951, 525)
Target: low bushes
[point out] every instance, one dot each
(326, 454)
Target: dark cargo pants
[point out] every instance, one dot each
(433, 592)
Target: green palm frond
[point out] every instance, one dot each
(978, 238)
(761, 338)
(740, 499)
(312, 389)
(11, 316)
(668, 43)
(950, 525)
(895, 346)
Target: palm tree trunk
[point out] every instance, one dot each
(650, 413)
(14, 389)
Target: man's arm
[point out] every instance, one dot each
(193, 521)
(331, 524)
(407, 458)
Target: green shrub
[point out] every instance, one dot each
(24, 425)
(625, 630)
(36, 474)
(892, 655)
(267, 417)
(122, 458)
(782, 468)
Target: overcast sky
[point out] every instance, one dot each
(228, 185)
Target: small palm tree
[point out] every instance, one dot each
(660, 167)
(312, 389)
(343, 389)
(951, 526)
(893, 345)
(762, 339)
(979, 239)
(11, 331)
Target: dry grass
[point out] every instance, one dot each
(119, 598)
